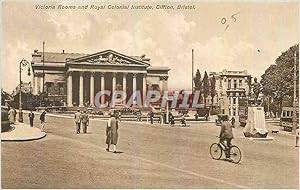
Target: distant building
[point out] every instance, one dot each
(230, 87)
(26, 88)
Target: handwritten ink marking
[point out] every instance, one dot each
(223, 20)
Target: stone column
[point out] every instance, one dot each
(231, 106)
(124, 85)
(124, 82)
(92, 90)
(165, 83)
(144, 87)
(114, 81)
(41, 84)
(102, 87)
(161, 84)
(69, 91)
(134, 83)
(35, 85)
(81, 89)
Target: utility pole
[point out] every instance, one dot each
(20, 93)
(43, 67)
(192, 70)
(295, 94)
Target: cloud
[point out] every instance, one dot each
(11, 57)
(69, 29)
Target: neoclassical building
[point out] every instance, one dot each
(231, 87)
(75, 78)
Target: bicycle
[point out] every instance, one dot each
(217, 149)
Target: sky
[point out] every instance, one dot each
(252, 42)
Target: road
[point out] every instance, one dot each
(150, 156)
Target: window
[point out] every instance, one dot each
(220, 83)
(240, 83)
(234, 84)
(229, 84)
(234, 101)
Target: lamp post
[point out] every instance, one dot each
(23, 63)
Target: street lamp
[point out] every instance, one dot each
(23, 63)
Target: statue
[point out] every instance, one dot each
(256, 89)
(110, 58)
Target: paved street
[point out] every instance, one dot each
(151, 156)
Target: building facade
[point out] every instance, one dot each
(76, 78)
(231, 86)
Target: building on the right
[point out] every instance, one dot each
(231, 86)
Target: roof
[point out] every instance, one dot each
(155, 68)
(57, 57)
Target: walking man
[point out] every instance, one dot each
(151, 114)
(31, 118)
(84, 121)
(11, 116)
(232, 121)
(42, 118)
(171, 118)
(112, 133)
(77, 121)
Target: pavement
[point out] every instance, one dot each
(149, 156)
(22, 132)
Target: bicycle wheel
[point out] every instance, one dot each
(235, 154)
(216, 151)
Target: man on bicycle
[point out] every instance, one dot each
(226, 135)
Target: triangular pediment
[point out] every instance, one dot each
(109, 57)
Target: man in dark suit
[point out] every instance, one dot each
(31, 118)
(226, 135)
(85, 121)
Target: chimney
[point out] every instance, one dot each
(63, 51)
(35, 51)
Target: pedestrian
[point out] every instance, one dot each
(42, 118)
(77, 121)
(206, 117)
(31, 118)
(139, 116)
(183, 121)
(171, 118)
(11, 116)
(119, 115)
(151, 114)
(15, 115)
(112, 133)
(297, 137)
(232, 121)
(85, 121)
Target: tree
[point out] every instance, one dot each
(197, 80)
(212, 89)
(205, 83)
(277, 81)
